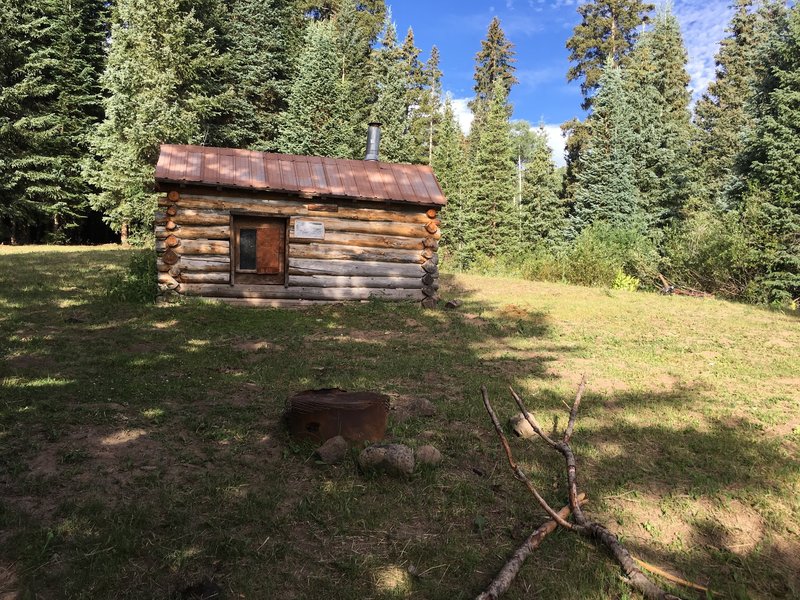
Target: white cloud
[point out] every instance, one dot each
(703, 26)
(556, 142)
(462, 113)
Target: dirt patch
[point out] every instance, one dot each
(786, 554)
(27, 362)
(255, 346)
(8, 583)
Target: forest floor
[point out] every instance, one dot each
(142, 450)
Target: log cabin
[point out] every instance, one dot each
(262, 229)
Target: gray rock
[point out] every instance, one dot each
(333, 451)
(395, 459)
(519, 424)
(371, 457)
(399, 459)
(428, 455)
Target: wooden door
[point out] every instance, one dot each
(259, 254)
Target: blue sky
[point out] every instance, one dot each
(539, 30)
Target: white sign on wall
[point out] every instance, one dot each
(310, 230)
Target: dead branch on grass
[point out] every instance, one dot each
(583, 526)
(505, 577)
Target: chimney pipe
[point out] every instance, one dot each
(373, 141)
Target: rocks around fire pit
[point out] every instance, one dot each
(520, 426)
(428, 455)
(404, 408)
(397, 459)
(333, 451)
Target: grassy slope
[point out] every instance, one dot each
(141, 448)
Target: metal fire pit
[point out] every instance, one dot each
(319, 415)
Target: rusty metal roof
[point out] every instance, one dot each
(308, 175)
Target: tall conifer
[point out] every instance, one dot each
(770, 163)
(491, 217)
(161, 63)
(449, 164)
(608, 30)
(606, 188)
(494, 62)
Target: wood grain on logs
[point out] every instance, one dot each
(270, 303)
(175, 269)
(216, 232)
(428, 253)
(431, 213)
(172, 210)
(341, 252)
(432, 227)
(350, 268)
(170, 257)
(172, 241)
(428, 290)
(202, 217)
(215, 277)
(428, 279)
(431, 243)
(171, 225)
(363, 282)
(297, 208)
(413, 230)
(430, 267)
(168, 280)
(173, 196)
(203, 247)
(430, 302)
(308, 293)
(366, 240)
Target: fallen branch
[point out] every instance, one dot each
(669, 576)
(502, 581)
(583, 526)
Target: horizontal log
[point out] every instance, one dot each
(172, 210)
(410, 283)
(171, 225)
(193, 277)
(217, 232)
(366, 240)
(298, 208)
(336, 251)
(413, 230)
(167, 280)
(432, 227)
(207, 268)
(307, 293)
(431, 213)
(352, 268)
(202, 247)
(430, 267)
(269, 303)
(431, 243)
(200, 217)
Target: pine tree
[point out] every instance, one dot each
(313, 123)
(608, 30)
(261, 47)
(491, 216)
(721, 114)
(161, 61)
(657, 84)
(391, 106)
(770, 163)
(542, 214)
(356, 93)
(494, 62)
(430, 109)
(417, 95)
(56, 100)
(371, 13)
(606, 188)
(449, 163)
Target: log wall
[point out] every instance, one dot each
(369, 250)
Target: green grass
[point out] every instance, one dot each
(142, 451)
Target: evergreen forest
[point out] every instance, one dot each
(706, 192)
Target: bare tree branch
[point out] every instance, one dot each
(574, 412)
(505, 577)
(515, 467)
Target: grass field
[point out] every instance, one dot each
(142, 451)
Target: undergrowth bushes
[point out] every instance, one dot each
(138, 282)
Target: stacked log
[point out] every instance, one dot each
(430, 280)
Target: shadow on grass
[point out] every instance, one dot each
(142, 453)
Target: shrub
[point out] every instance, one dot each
(138, 283)
(713, 252)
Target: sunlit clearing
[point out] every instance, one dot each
(35, 383)
(393, 579)
(124, 436)
(153, 413)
